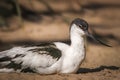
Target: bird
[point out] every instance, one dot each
(50, 58)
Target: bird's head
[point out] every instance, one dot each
(81, 27)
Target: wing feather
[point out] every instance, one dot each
(29, 58)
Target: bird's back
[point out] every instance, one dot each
(25, 59)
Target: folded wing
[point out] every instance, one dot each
(27, 59)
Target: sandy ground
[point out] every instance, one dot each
(101, 63)
(105, 74)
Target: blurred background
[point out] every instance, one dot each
(33, 21)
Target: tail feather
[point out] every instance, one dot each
(3, 53)
(3, 64)
(11, 60)
(4, 59)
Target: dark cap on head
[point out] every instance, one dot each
(81, 23)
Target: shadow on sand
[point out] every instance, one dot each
(87, 70)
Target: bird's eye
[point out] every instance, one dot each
(81, 26)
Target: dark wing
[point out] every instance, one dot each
(9, 63)
(26, 59)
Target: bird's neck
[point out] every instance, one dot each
(76, 37)
(77, 40)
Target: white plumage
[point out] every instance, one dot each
(49, 58)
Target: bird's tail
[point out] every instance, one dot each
(11, 60)
(3, 54)
(4, 59)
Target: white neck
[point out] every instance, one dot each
(76, 53)
(76, 37)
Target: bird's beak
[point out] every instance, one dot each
(95, 39)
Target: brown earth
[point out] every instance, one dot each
(101, 63)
